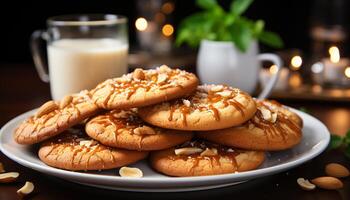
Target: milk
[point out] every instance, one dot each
(78, 64)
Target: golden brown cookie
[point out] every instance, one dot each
(53, 118)
(273, 128)
(144, 87)
(124, 129)
(203, 158)
(210, 107)
(74, 150)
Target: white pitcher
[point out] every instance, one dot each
(221, 62)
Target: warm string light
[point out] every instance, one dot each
(334, 54)
(167, 30)
(273, 69)
(168, 8)
(347, 72)
(317, 67)
(141, 24)
(296, 62)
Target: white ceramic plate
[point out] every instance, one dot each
(315, 139)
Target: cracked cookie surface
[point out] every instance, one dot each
(210, 107)
(199, 158)
(74, 150)
(144, 87)
(272, 128)
(124, 129)
(54, 117)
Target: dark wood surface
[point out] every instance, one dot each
(21, 90)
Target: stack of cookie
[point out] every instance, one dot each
(188, 130)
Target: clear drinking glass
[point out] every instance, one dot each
(82, 51)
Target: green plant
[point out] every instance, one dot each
(214, 23)
(341, 142)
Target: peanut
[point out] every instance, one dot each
(46, 108)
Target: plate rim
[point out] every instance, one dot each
(321, 146)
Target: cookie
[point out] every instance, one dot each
(144, 87)
(202, 158)
(124, 129)
(210, 107)
(53, 118)
(273, 128)
(74, 150)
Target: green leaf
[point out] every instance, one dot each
(258, 27)
(192, 30)
(214, 23)
(241, 35)
(240, 6)
(194, 20)
(229, 19)
(336, 141)
(271, 39)
(207, 4)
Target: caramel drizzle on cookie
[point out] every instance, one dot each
(223, 152)
(148, 82)
(71, 141)
(274, 129)
(131, 121)
(40, 123)
(110, 118)
(212, 97)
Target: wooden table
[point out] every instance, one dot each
(21, 90)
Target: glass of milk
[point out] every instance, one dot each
(82, 51)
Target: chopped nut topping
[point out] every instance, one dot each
(162, 78)
(268, 115)
(186, 102)
(124, 79)
(217, 88)
(230, 150)
(46, 108)
(188, 151)
(225, 93)
(164, 69)
(87, 143)
(66, 101)
(274, 117)
(138, 74)
(210, 152)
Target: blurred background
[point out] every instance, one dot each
(293, 20)
(308, 28)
